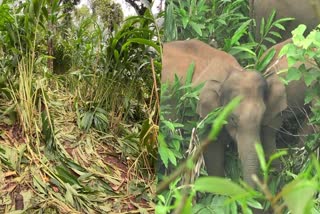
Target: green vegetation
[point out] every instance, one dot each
(224, 24)
(78, 109)
(227, 25)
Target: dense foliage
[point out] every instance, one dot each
(227, 25)
(223, 24)
(78, 109)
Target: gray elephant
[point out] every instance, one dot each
(283, 102)
(224, 79)
(307, 13)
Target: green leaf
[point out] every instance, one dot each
(163, 150)
(240, 32)
(64, 174)
(241, 50)
(39, 184)
(45, 13)
(116, 55)
(311, 76)
(142, 41)
(254, 204)
(87, 120)
(270, 19)
(170, 23)
(172, 157)
(276, 34)
(310, 94)
(187, 209)
(283, 20)
(190, 74)
(69, 195)
(102, 116)
(298, 33)
(276, 156)
(261, 156)
(293, 74)
(272, 41)
(263, 64)
(284, 50)
(185, 21)
(146, 126)
(198, 88)
(197, 27)
(218, 185)
(279, 26)
(171, 125)
(298, 194)
(220, 120)
(221, 21)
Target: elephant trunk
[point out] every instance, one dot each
(248, 155)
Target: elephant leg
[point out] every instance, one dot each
(268, 135)
(214, 157)
(268, 139)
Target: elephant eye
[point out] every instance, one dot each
(233, 119)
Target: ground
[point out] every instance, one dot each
(81, 172)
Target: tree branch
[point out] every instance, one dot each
(139, 8)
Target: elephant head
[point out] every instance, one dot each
(283, 101)
(244, 123)
(224, 79)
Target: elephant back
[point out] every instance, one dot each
(304, 13)
(178, 55)
(295, 90)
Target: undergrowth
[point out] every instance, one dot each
(78, 137)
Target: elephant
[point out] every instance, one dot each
(307, 13)
(223, 80)
(290, 98)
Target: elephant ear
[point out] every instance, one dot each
(276, 99)
(209, 98)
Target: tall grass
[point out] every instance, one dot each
(83, 134)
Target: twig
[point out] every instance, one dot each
(273, 200)
(155, 87)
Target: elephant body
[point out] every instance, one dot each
(178, 56)
(304, 13)
(224, 79)
(291, 97)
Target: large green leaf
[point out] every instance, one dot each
(298, 194)
(263, 63)
(142, 41)
(220, 186)
(293, 74)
